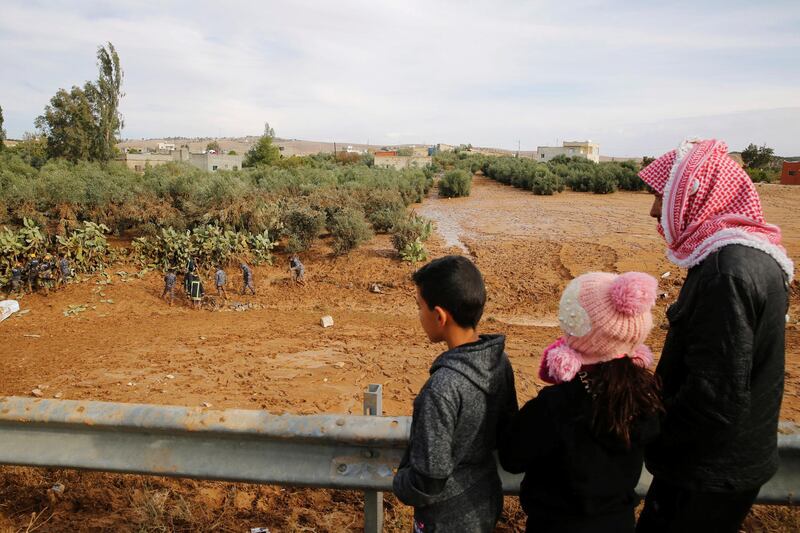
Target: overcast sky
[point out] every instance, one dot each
(635, 76)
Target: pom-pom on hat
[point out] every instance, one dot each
(604, 316)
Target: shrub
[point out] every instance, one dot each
(547, 183)
(211, 245)
(579, 180)
(414, 252)
(349, 230)
(302, 225)
(763, 175)
(87, 246)
(603, 182)
(384, 209)
(409, 234)
(455, 183)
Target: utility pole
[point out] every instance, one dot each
(518, 143)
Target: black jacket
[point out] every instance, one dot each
(574, 479)
(722, 374)
(449, 467)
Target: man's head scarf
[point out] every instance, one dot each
(708, 202)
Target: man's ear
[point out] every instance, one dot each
(442, 316)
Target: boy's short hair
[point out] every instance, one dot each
(455, 284)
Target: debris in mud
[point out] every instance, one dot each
(58, 395)
(206, 405)
(665, 275)
(259, 530)
(37, 392)
(375, 288)
(32, 336)
(74, 309)
(326, 321)
(58, 488)
(170, 376)
(339, 364)
(241, 306)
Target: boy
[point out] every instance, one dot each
(297, 270)
(219, 280)
(449, 473)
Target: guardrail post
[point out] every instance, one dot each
(373, 500)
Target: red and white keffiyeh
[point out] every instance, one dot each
(709, 202)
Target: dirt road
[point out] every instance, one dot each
(275, 356)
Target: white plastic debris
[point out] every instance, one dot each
(37, 392)
(326, 321)
(259, 530)
(8, 308)
(665, 275)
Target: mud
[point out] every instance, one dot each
(274, 355)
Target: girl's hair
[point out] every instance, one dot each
(622, 391)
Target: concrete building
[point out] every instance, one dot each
(391, 159)
(166, 147)
(212, 162)
(585, 149)
(138, 162)
(790, 174)
(209, 162)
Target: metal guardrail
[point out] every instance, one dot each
(331, 451)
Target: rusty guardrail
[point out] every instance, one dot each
(331, 451)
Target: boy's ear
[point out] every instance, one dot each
(442, 316)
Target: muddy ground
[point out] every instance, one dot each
(275, 356)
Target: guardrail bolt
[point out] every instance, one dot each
(342, 468)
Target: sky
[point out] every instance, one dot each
(634, 76)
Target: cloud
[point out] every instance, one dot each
(488, 73)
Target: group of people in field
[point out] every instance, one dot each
(705, 423)
(37, 274)
(195, 290)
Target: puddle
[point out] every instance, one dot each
(437, 210)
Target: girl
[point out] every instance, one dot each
(580, 441)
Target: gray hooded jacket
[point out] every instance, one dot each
(449, 473)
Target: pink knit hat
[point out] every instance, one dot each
(604, 316)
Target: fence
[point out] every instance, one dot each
(330, 451)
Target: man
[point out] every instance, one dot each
(196, 290)
(220, 279)
(247, 279)
(32, 273)
(16, 279)
(170, 279)
(723, 360)
(64, 270)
